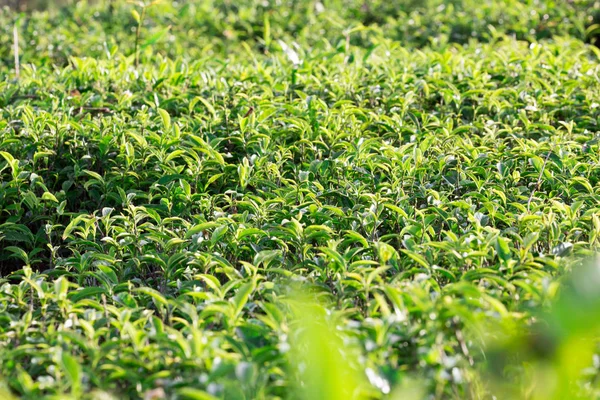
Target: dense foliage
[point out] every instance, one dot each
(285, 199)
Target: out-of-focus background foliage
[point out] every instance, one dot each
(220, 23)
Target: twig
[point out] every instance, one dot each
(250, 111)
(93, 110)
(103, 297)
(539, 181)
(96, 109)
(16, 97)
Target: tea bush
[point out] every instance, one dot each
(299, 199)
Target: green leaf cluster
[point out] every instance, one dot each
(299, 199)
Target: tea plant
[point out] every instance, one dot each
(299, 199)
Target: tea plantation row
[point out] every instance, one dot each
(299, 199)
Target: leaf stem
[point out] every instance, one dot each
(137, 37)
(539, 181)
(16, 49)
